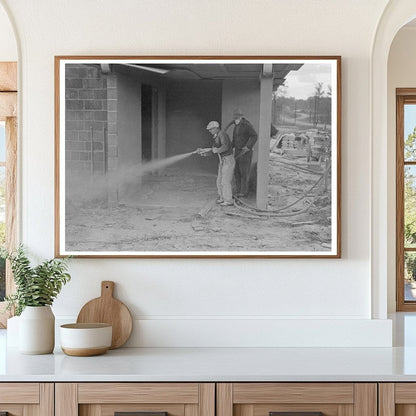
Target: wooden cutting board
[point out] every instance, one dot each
(108, 310)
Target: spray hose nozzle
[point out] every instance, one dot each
(202, 152)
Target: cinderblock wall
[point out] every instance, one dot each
(86, 126)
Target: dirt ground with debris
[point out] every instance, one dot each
(176, 211)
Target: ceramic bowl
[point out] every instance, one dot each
(83, 340)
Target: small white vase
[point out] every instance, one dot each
(37, 330)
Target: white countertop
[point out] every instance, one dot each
(215, 364)
(221, 364)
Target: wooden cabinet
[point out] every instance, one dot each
(106, 399)
(208, 399)
(27, 399)
(397, 399)
(268, 399)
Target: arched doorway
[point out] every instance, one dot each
(396, 15)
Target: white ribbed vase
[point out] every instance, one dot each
(37, 330)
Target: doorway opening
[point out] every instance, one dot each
(148, 115)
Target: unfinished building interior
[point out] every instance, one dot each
(121, 117)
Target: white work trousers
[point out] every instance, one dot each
(225, 177)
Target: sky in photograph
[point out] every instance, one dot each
(301, 83)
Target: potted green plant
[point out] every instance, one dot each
(36, 289)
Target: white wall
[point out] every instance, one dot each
(401, 74)
(8, 46)
(212, 302)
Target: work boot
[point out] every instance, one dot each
(226, 204)
(219, 201)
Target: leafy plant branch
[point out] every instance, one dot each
(35, 286)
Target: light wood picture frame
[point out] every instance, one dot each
(140, 173)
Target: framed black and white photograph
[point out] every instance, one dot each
(198, 156)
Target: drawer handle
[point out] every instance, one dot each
(295, 413)
(139, 414)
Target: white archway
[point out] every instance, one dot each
(10, 45)
(396, 14)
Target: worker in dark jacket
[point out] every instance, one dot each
(244, 138)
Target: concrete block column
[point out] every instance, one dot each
(266, 91)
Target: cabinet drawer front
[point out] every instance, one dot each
(112, 409)
(19, 393)
(138, 393)
(405, 393)
(340, 393)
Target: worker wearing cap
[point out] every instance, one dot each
(244, 138)
(223, 147)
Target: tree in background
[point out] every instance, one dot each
(410, 205)
(410, 208)
(278, 103)
(311, 112)
(328, 111)
(319, 92)
(329, 91)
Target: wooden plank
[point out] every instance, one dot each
(8, 105)
(399, 204)
(90, 410)
(410, 100)
(47, 399)
(405, 91)
(246, 410)
(207, 399)
(405, 393)
(190, 410)
(386, 399)
(23, 393)
(138, 393)
(341, 393)
(345, 410)
(365, 399)
(224, 399)
(31, 410)
(8, 76)
(405, 410)
(66, 400)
